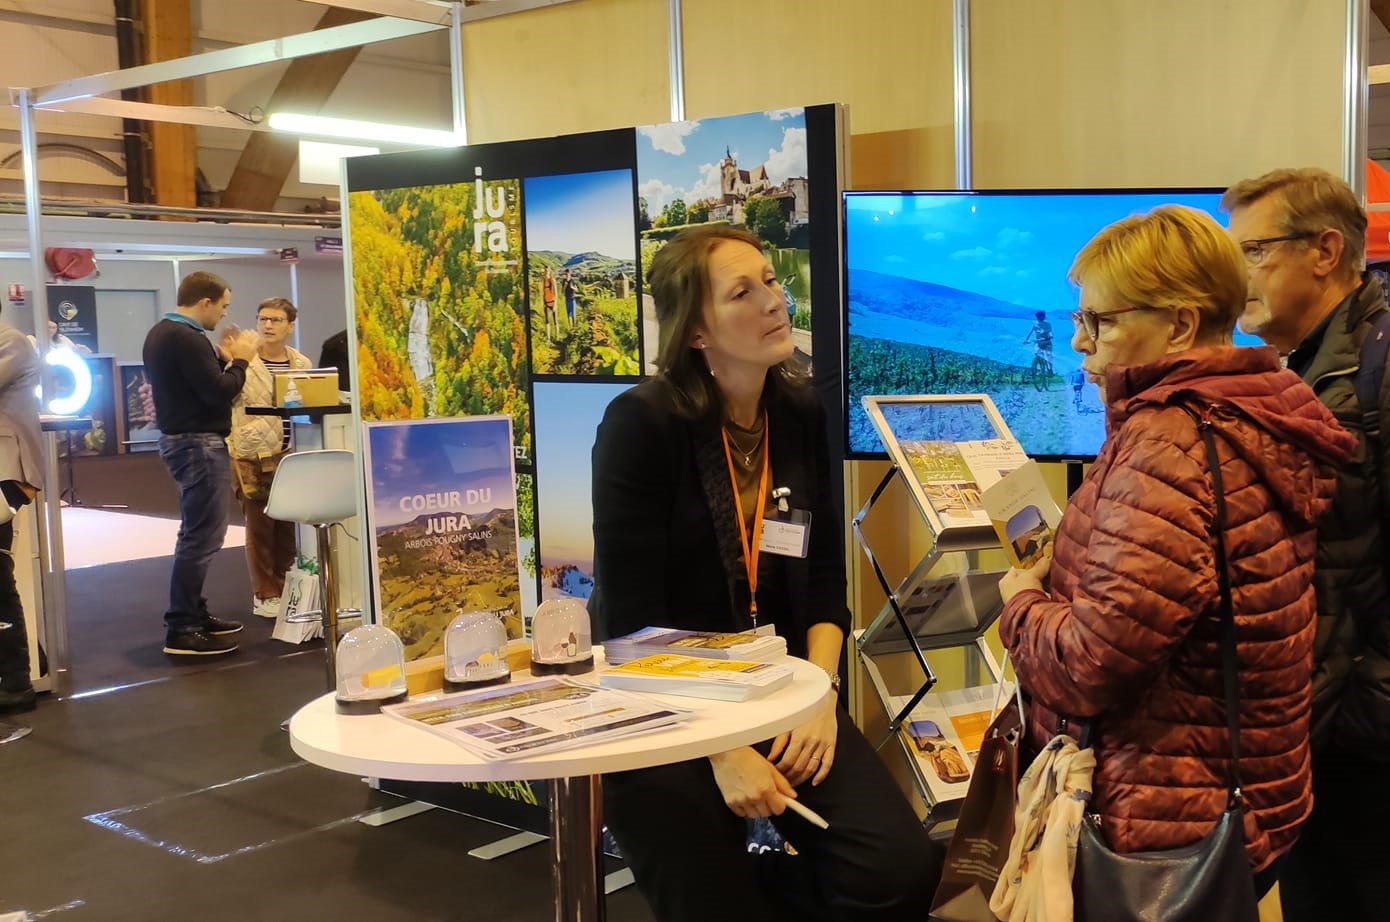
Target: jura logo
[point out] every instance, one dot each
(492, 203)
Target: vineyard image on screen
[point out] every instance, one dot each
(967, 293)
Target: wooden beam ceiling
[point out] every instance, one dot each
(168, 33)
(1380, 9)
(268, 158)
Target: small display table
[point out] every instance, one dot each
(383, 747)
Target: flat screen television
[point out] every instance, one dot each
(942, 292)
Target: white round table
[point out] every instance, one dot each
(382, 747)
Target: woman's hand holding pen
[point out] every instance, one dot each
(752, 786)
(807, 752)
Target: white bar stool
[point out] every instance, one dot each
(319, 488)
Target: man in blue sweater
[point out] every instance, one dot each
(194, 384)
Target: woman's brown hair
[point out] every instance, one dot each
(679, 283)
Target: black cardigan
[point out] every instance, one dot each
(666, 546)
(193, 391)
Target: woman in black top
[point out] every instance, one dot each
(686, 466)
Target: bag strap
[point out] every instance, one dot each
(1230, 661)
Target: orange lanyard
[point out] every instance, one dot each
(750, 549)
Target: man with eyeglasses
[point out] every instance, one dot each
(258, 443)
(1303, 234)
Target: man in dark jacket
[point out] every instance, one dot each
(194, 385)
(1303, 233)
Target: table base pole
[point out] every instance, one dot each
(576, 826)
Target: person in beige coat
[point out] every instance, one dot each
(21, 476)
(257, 443)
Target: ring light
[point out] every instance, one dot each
(64, 357)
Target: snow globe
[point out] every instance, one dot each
(561, 640)
(475, 651)
(371, 670)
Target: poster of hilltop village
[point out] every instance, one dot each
(506, 281)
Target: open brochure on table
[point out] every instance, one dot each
(944, 732)
(534, 716)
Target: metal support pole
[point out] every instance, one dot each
(328, 603)
(456, 72)
(1355, 97)
(960, 43)
(677, 56)
(576, 820)
(50, 510)
(294, 299)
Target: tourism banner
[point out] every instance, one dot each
(443, 525)
(510, 279)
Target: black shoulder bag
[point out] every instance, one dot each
(1212, 878)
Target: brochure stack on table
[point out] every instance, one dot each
(650, 641)
(673, 674)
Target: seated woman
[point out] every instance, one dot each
(1126, 632)
(684, 467)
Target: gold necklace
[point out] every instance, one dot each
(745, 453)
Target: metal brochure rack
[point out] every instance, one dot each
(940, 610)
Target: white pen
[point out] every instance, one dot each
(805, 812)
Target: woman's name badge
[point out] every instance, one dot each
(786, 533)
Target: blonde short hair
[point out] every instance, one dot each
(1170, 257)
(1312, 201)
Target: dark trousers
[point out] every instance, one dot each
(1335, 870)
(270, 548)
(688, 851)
(200, 466)
(14, 638)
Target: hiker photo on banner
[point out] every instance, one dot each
(581, 250)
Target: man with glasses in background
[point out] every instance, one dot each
(258, 443)
(1303, 234)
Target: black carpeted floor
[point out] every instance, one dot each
(180, 799)
(116, 621)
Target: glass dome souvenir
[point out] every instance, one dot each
(475, 651)
(371, 670)
(561, 640)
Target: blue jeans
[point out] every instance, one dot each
(200, 466)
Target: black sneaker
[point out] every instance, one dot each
(12, 701)
(197, 643)
(218, 627)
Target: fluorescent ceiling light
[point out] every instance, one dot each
(323, 126)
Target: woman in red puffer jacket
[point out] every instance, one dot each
(1124, 626)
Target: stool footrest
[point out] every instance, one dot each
(316, 614)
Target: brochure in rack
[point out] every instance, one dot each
(672, 674)
(953, 475)
(1024, 514)
(534, 716)
(944, 733)
(748, 646)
